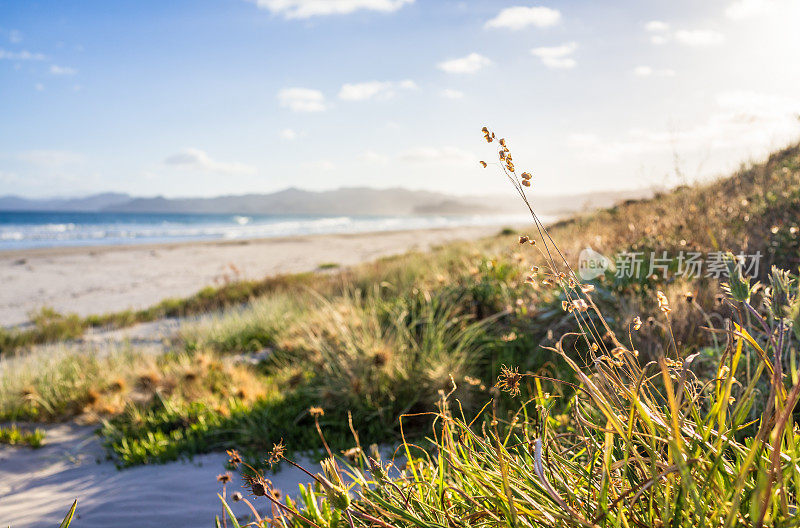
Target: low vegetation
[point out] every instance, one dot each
(356, 340)
(682, 436)
(646, 399)
(57, 383)
(17, 436)
(48, 325)
(630, 444)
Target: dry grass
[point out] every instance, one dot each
(57, 382)
(624, 441)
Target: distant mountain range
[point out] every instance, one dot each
(344, 201)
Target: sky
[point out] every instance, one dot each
(211, 97)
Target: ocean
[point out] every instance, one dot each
(36, 229)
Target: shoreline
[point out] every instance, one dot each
(91, 280)
(103, 248)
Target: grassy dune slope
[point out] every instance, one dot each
(666, 429)
(737, 213)
(383, 339)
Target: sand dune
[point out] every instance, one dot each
(38, 486)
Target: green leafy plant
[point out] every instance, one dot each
(14, 435)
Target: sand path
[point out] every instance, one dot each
(38, 486)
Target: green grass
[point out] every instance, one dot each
(47, 326)
(13, 435)
(250, 328)
(374, 359)
(654, 446)
(696, 432)
(629, 443)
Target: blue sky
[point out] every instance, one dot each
(187, 98)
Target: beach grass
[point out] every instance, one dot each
(359, 338)
(687, 435)
(637, 393)
(58, 383)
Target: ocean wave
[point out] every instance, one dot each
(114, 230)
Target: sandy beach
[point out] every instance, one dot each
(38, 486)
(96, 280)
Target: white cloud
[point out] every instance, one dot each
(51, 158)
(438, 155)
(472, 63)
(14, 36)
(370, 156)
(699, 37)
(743, 9)
(557, 57)
(302, 99)
(450, 93)
(39, 87)
(322, 165)
(376, 89)
(20, 55)
(742, 121)
(520, 17)
(62, 70)
(647, 71)
(661, 34)
(311, 8)
(288, 134)
(198, 160)
(656, 26)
